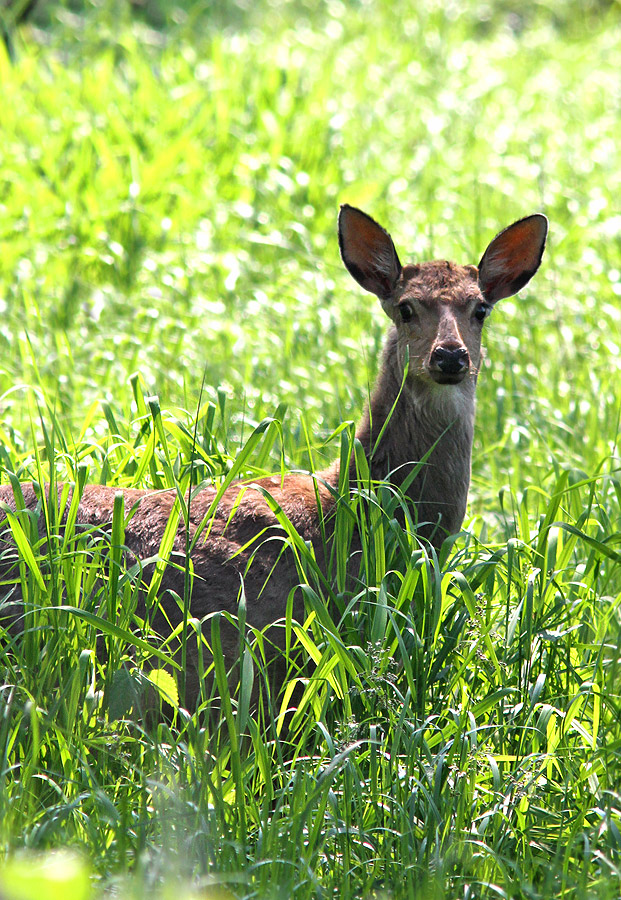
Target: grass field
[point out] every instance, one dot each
(169, 281)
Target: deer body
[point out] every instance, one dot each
(422, 409)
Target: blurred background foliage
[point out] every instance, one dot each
(170, 176)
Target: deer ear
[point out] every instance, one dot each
(512, 258)
(368, 252)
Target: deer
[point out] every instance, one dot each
(416, 431)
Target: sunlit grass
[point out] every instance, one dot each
(168, 200)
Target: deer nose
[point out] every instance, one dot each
(450, 360)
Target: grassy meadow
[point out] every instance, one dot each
(173, 309)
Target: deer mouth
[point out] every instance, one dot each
(447, 377)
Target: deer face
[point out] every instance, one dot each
(438, 307)
(439, 310)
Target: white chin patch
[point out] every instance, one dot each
(447, 402)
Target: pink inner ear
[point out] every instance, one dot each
(520, 246)
(368, 251)
(362, 237)
(512, 258)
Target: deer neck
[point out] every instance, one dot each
(409, 421)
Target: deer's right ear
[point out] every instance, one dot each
(368, 252)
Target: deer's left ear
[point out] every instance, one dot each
(512, 258)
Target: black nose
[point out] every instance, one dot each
(450, 360)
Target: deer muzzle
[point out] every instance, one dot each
(449, 364)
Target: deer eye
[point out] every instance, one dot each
(482, 311)
(406, 311)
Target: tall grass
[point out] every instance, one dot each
(168, 187)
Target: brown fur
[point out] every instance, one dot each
(432, 420)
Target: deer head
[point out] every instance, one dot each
(439, 308)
